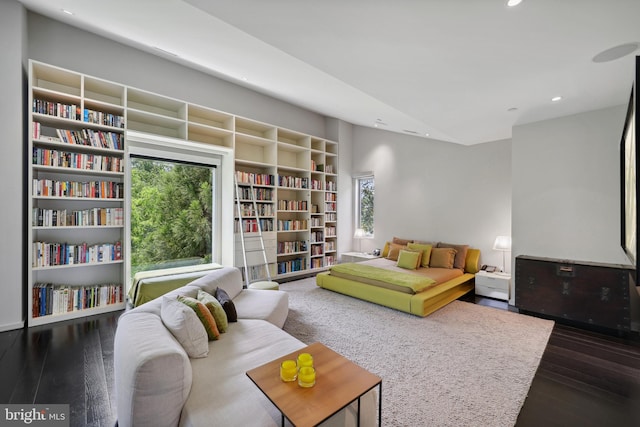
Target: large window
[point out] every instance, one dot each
(173, 192)
(171, 214)
(364, 191)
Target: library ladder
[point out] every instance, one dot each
(252, 242)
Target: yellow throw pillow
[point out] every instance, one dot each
(216, 310)
(204, 315)
(426, 252)
(409, 259)
(442, 257)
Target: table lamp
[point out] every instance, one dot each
(359, 234)
(503, 244)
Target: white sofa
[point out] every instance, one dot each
(157, 384)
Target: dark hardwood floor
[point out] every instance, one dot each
(584, 378)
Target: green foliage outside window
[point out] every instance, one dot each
(366, 192)
(171, 214)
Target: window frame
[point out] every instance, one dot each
(358, 178)
(169, 149)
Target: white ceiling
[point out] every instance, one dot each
(450, 68)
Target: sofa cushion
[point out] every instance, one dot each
(442, 258)
(185, 326)
(272, 306)
(216, 310)
(228, 306)
(143, 348)
(236, 401)
(204, 315)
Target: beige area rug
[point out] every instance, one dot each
(464, 365)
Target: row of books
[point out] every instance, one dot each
(51, 299)
(330, 260)
(292, 205)
(317, 236)
(47, 254)
(263, 194)
(331, 186)
(251, 225)
(84, 161)
(329, 246)
(92, 138)
(319, 167)
(263, 209)
(102, 118)
(291, 247)
(330, 206)
(293, 181)
(87, 189)
(316, 184)
(57, 109)
(316, 221)
(75, 112)
(85, 137)
(292, 224)
(330, 231)
(317, 263)
(254, 178)
(330, 197)
(87, 217)
(298, 264)
(316, 250)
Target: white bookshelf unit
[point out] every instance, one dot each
(68, 110)
(76, 203)
(298, 195)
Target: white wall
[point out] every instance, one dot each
(432, 190)
(566, 187)
(12, 80)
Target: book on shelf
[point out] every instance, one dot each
(51, 254)
(42, 217)
(51, 299)
(77, 189)
(72, 160)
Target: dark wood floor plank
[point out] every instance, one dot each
(96, 395)
(34, 346)
(63, 376)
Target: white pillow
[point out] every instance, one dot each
(185, 326)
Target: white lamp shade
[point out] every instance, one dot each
(502, 243)
(359, 233)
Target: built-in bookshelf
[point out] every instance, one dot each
(77, 143)
(76, 203)
(297, 166)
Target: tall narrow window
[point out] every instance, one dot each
(171, 213)
(364, 190)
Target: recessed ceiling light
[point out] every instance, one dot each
(68, 12)
(512, 109)
(616, 52)
(512, 3)
(556, 99)
(427, 134)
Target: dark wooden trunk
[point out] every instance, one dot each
(592, 294)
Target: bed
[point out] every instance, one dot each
(420, 290)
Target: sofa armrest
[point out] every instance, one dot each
(152, 372)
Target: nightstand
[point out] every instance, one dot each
(493, 285)
(356, 257)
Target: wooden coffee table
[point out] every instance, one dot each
(339, 382)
